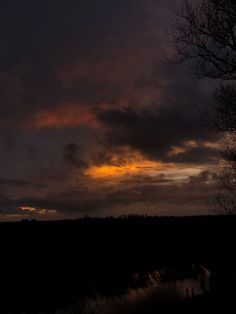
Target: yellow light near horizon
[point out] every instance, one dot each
(28, 209)
(41, 211)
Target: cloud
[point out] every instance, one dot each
(74, 54)
(196, 155)
(72, 154)
(137, 194)
(88, 77)
(64, 116)
(154, 132)
(14, 182)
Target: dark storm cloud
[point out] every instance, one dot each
(198, 190)
(196, 155)
(203, 177)
(141, 179)
(17, 183)
(72, 154)
(155, 131)
(160, 194)
(14, 182)
(60, 63)
(40, 42)
(8, 140)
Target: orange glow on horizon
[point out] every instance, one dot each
(28, 209)
(41, 211)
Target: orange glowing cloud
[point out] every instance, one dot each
(176, 173)
(175, 150)
(130, 168)
(187, 145)
(65, 116)
(128, 162)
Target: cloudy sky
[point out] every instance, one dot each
(93, 121)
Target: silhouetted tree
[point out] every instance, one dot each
(204, 34)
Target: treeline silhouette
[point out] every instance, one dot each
(48, 265)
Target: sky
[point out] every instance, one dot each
(93, 119)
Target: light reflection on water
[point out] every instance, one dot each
(154, 296)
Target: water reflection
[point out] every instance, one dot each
(156, 295)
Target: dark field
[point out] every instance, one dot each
(47, 266)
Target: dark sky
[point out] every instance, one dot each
(93, 121)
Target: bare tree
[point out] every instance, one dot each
(204, 34)
(205, 31)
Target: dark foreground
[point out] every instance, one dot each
(46, 266)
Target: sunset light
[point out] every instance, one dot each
(118, 156)
(134, 168)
